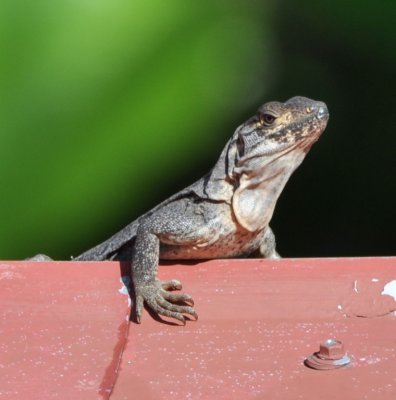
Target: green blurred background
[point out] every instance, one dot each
(109, 106)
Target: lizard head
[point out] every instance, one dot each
(260, 157)
(279, 127)
(265, 151)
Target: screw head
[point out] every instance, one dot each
(331, 349)
(330, 356)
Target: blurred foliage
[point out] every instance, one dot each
(103, 104)
(107, 107)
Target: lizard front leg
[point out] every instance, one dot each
(148, 288)
(267, 247)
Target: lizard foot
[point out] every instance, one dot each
(157, 296)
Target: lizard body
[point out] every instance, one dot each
(224, 214)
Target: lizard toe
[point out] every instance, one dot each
(173, 284)
(166, 312)
(177, 298)
(139, 308)
(166, 305)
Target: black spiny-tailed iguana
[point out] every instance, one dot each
(224, 214)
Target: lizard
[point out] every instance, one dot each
(224, 214)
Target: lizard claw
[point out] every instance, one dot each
(163, 302)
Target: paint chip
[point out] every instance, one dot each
(390, 289)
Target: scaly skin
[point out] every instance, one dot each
(224, 214)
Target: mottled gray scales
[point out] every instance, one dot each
(224, 214)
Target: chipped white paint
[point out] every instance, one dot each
(390, 289)
(125, 282)
(375, 280)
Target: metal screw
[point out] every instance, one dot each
(331, 355)
(331, 349)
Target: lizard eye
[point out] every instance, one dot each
(267, 119)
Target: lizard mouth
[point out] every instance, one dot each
(311, 126)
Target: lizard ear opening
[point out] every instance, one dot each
(252, 205)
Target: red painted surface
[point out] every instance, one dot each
(63, 332)
(63, 327)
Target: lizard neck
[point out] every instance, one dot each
(261, 182)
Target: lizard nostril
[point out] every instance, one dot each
(322, 112)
